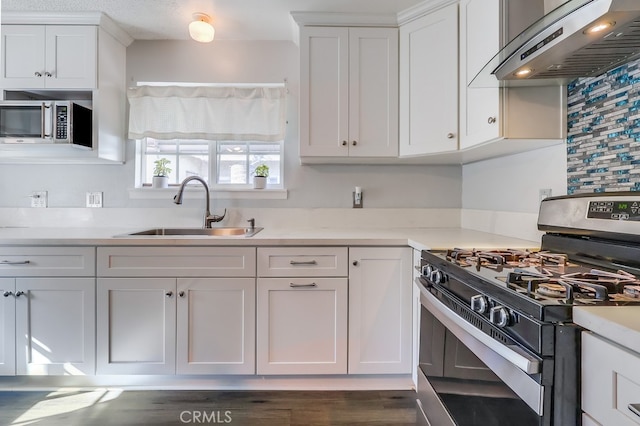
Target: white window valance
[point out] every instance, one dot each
(207, 112)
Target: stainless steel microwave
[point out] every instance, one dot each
(45, 122)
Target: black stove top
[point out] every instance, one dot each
(546, 277)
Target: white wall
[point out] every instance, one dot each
(501, 195)
(512, 183)
(400, 186)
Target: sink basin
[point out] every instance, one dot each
(196, 232)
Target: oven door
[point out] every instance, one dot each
(467, 377)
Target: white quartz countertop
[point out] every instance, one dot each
(419, 238)
(620, 324)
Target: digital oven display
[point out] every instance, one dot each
(614, 210)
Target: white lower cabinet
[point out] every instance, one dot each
(47, 326)
(610, 382)
(380, 310)
(176, 325)
(47, 311)
(136, 320)
(55, 323)
(302, 297)
(176, 310)
(302, 326)
(216, 326)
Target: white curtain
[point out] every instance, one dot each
(207, 112)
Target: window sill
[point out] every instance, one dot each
(235, 194)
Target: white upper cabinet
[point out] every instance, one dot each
(49, 57)
(489, 114)
(429, 83)
(349, 92)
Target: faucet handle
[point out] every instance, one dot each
(210, 218)
(216, 218)
(252, 223)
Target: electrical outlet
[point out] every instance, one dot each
(39, 199)
(94, 199)
(544, 193)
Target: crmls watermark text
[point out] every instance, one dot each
(215, 417)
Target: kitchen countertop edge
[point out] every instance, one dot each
(418, 238)
(619, 324)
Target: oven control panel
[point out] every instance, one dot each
(614, 210)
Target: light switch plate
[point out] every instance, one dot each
(94, 199)
(39, 199)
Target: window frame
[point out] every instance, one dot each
(213, 154)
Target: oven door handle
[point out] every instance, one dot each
(511, 353)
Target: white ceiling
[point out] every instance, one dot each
(232, 19)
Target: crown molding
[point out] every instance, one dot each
(422, 9)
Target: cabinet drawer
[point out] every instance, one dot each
(176, 261)
(302, 262)
(47, 261)
(610, 381)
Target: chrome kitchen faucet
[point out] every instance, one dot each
(208, 217)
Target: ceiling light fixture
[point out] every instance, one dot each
(201, 29)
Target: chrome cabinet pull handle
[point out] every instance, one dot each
(169, 294)
(48, 74)
(37, 74)
(19, 293)
(355, 263)
(491, 120)
(450, 135)
(299, 262)
(354, 143)
(15, 262)
(7, 293)
(181, 294)
(344, 143)
(294, 285)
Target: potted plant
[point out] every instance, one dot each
(161, 173)
(260, 175)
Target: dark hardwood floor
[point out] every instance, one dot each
(170, 407)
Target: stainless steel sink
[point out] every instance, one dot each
(196, 232)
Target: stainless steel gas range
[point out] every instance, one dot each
(497, 341)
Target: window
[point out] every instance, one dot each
(230, 163)
(218, 132)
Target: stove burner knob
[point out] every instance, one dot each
(438, 277)
(427, 270)
(499, 315)
(479, 303)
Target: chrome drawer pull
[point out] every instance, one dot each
(7, 293)
(15, 262)
(308, 262)
(294, 285)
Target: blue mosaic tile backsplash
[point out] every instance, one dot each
(603, 138)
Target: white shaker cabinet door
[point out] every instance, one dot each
(429, 83)
(302, 326)
(380, 310)
(55, 326)
(216, 326)
(136, 325)
(324, 91)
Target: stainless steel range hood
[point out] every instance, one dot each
(580, 38)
